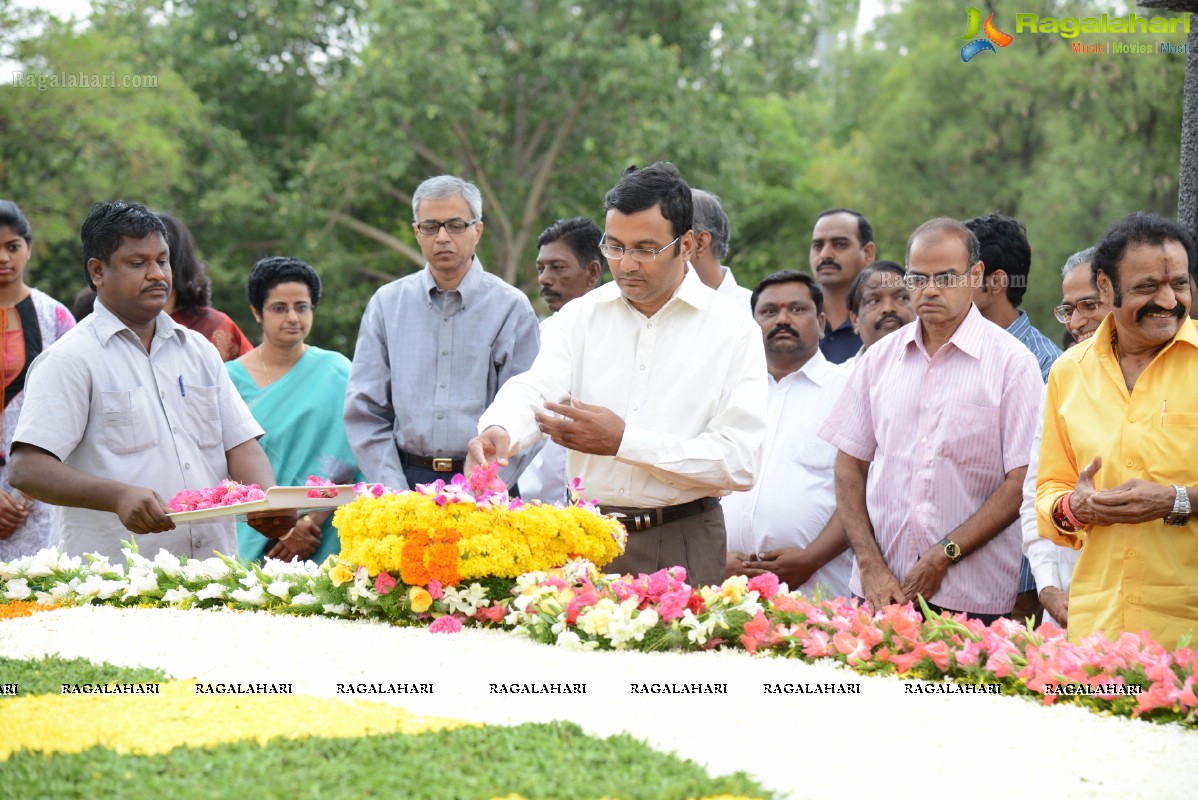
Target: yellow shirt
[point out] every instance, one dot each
(1128, 577)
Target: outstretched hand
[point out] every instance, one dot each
(491, 446)
(1079, 503)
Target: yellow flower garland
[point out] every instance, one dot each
(495, 541)
(178, 717)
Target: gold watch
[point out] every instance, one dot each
(951, 549)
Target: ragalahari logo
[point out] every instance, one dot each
(993, 34)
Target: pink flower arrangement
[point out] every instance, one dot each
(319, 488)
(226, 493)
(447, 624)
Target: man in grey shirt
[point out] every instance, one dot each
(434, 348)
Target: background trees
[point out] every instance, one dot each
(302, 126)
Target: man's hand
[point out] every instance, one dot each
(273, 523)
(12, 515)
(142, 510)
(492, 445)
(1133, 501)
(302, 542)
(928, 573)
(1079, 504)
(880, 587)
(586, 428)
(1056, 602)
(737, 564)
(792, 565)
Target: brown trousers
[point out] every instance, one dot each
(697, 542)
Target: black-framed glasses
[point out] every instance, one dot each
(614, 252)
(1087, 305)
(456, 226)
(942, 280)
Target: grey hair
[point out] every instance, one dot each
(444, 187)
(1077, 259)
(710, 217)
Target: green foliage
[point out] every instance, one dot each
(47, 675)
(554, 760)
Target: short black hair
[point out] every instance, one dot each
(865, 231)
(789, 276)
(580, 234)
(11, 216)
(1139, 227)
(1004, 246)
(660, 184)
(269, 272)
(108, 223)
(193, 289)
(858, 285)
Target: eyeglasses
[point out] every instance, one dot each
(456, 226)
(941, 280)
(1086, 306)
(281, 309)
(642, 254)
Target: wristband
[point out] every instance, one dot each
(1062, 516)
(1065, 506)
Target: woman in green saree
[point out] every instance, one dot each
(296, 392)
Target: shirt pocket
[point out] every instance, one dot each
(127, 426)
(203, 414)
(810, 451)
(973, 437)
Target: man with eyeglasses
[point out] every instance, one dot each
(1116, 475)
(434, 347)
(787, 523)
(944, 412)
(655, 386)
(1081, 311)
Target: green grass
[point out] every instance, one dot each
(555, 760)
(47, 675)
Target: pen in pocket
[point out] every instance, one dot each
(182, 390)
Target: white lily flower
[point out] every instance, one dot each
(18, 589)
(254, 596)
(305, 599)
(43, 564)
(280, 589)
(179, 595)
(168, 563)
(213, 591)
(89, 587)
(215, 569)
(143, 584)
(338, 609)
(108, 589)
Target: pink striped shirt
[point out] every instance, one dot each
(942, 433)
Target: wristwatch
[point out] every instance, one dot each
(1181, 508)
(951, 549)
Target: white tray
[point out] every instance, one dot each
(277, 497)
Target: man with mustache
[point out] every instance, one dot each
(787, 523)
(1007, 261)
(711, 246)
(131, 395)
(944, 411)
(569, 265)
(842, 244)
(1082, 311)
(654, 384)
(879, 303)
(1116, 475)
(434, 347)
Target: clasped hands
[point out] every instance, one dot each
(578, 426)
(1132, 501)
(881, 588)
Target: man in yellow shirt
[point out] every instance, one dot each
(1117, 464)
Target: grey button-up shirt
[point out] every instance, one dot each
(163, 419)
(428, 363)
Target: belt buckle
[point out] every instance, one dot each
(442, 465)
(643, 522)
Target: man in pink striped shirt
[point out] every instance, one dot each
(934, 430)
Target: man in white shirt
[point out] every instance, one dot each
(787, 523)
(711, 246)
(655, 386)
(569, 265)
(130, 407)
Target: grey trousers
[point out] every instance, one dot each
(698, 542)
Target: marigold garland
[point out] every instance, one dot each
(423, 537)
(19, 608)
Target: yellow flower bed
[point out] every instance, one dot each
(411, 535)
(150, 724)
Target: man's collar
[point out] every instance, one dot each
(107, 324)
(967, 337)
(691, 291)
(1021, 325)
(1187, 333)
(818, 369)
(468, 288)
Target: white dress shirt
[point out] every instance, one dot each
(100, 403)
(795, 497)
(735, 292)
(1052, 564)
(689, 383)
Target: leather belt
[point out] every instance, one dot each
(642, 519)
(439, 464)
